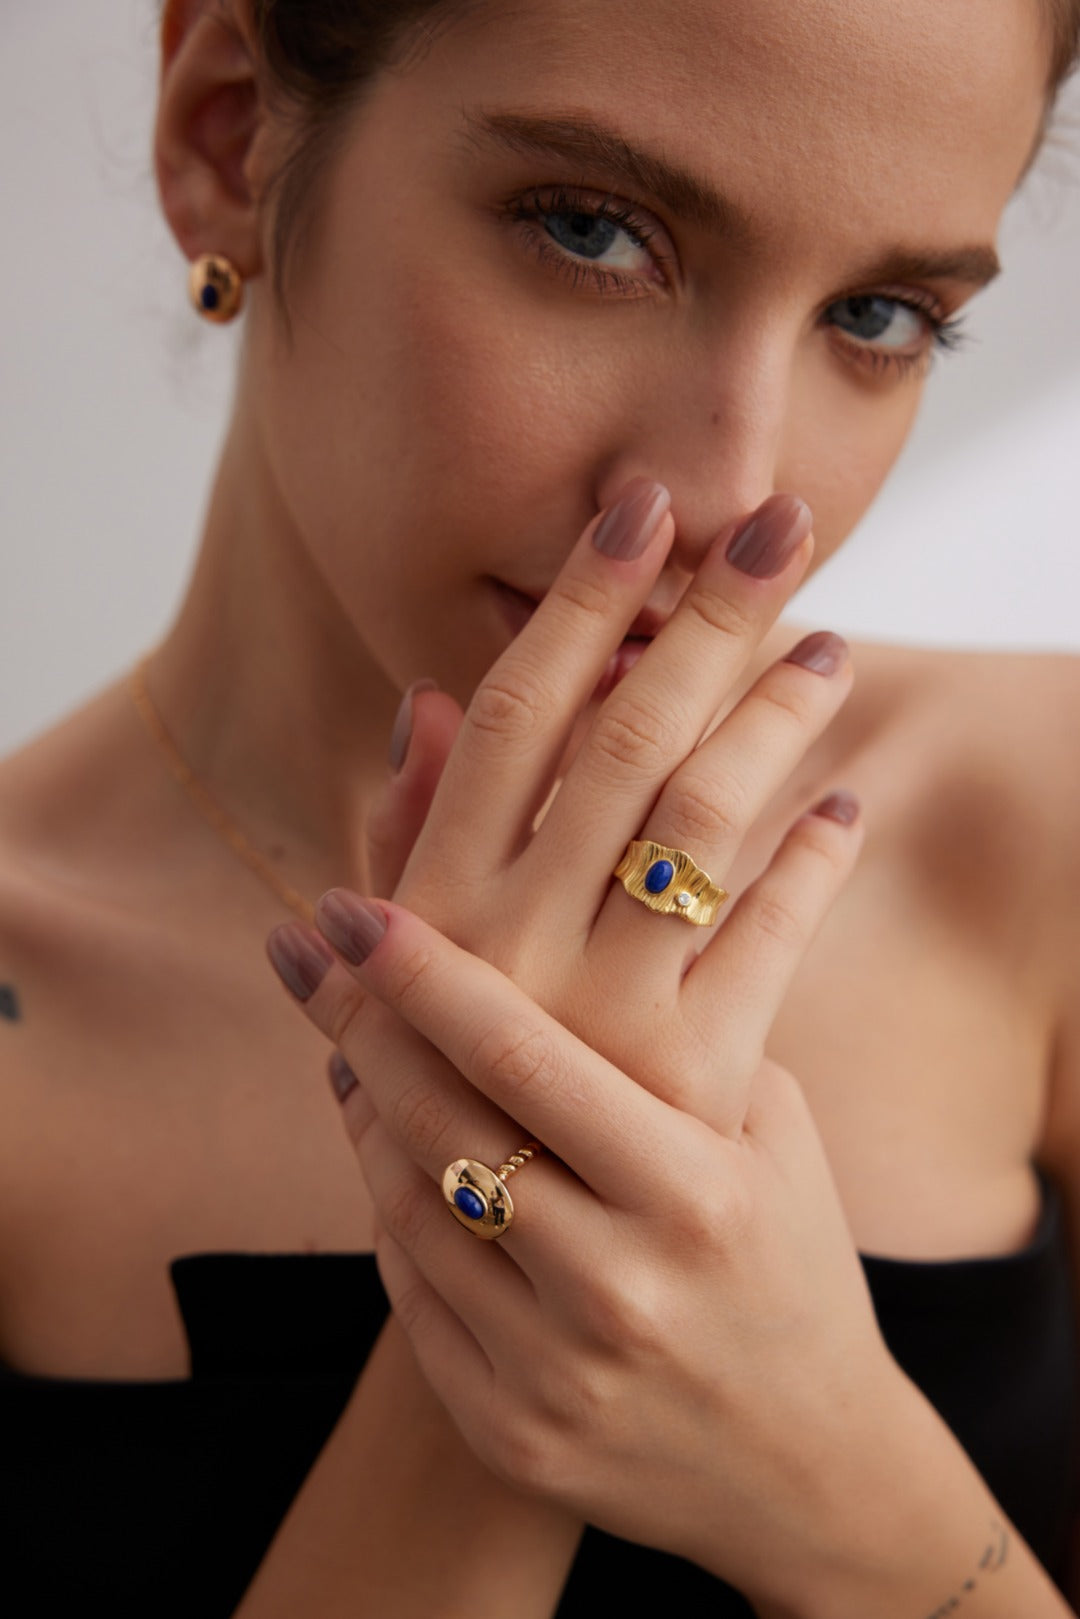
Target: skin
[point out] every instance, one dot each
(324, 586)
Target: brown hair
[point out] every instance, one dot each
(320, 56)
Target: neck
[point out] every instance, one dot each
(266, 688)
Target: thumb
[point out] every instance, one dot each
(424, 733)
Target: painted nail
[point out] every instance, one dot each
(342, 1077)
(823, 652)
(841, 806)
(299, 961)
(765, 542)
(401, 735)
(631, 523)
(353, 926)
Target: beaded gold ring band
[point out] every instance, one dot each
(477, 1196)
(668, 881)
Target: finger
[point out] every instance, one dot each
(709, 804)
(450, 1358)
(659, 713)
(425, 1105)
(522, 713)
(404, 1157)
(581, 1108)
(424, 733)
(385, 1067)
(480, 1281)
(750, 962)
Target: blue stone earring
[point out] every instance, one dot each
(216, 288)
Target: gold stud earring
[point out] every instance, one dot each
(216, 288)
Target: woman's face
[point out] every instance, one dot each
(481, 359)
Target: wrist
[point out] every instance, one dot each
(897, 1522)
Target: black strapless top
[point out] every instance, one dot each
(160, 1498)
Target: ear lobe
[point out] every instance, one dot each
(209, 118)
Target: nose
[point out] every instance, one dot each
(712, 430)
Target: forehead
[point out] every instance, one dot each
(799, 110)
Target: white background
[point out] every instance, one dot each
(113, 398)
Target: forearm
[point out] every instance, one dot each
(911, 1531)
(398, 1515)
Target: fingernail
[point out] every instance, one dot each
(299, 961)
(823, 652)
(353, 926)
(841, 806)
(631, 523)
(342, 1077)
(765, 542)
(401, 735)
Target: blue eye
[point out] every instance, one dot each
(883, 332)
(872, 319)
(579, 239)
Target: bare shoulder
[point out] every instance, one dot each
(979, 748)
(1002, 722)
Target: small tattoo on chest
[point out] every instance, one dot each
(9, 1003)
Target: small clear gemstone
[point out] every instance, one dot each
(684, 899)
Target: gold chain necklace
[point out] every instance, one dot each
(205, 803)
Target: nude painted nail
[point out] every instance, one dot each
(767, 540)
(401, 735)
(342, 1078)
(300, 962)
(631, 523)
(823, 652)
(352, 926)
(840, 806)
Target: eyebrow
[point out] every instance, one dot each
(601, 147)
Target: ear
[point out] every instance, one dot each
(212, 132)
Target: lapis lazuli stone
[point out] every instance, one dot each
(469, 1202)
(210, 297)
(658, 876)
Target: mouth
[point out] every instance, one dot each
(518, 607)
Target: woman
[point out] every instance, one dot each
(567, 322)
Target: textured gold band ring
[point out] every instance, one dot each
(477, 1196)
(667, 880)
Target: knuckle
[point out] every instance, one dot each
(632, 736)
(344, 1018)
(517, 1055)
(525, 1453)
(408, 975)
(776, 917)
(585, 598)
(508, 709)
(405, 1212)
(700, 810)
(410, 1307)
(619, 1318)
(422, 1118)
(721, 614)
(794, 700)
(816, 834)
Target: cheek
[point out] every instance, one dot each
(841, 441)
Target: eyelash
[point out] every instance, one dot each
(947, 334)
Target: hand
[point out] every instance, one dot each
(542, 906)
(674, 1340)
(690, 1026)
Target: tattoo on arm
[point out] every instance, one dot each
(9, 1004)
(994, 1555)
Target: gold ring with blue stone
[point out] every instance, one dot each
(667, 880)
(478, 1197)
